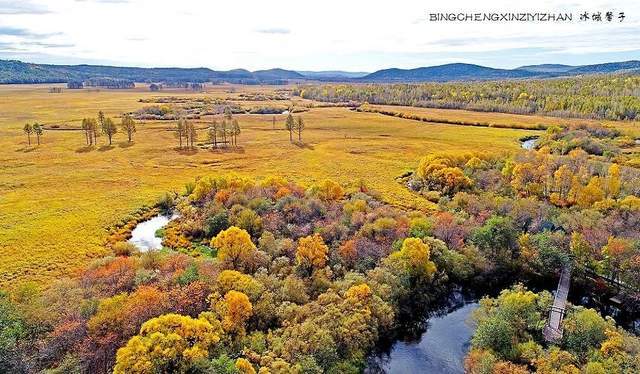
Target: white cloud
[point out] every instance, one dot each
(21, 7)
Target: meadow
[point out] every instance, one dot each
(57, 200)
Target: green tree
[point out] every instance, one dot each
(38, 129)
(213, 133)
(498, 238)
(583, 330)
(181, 130)
(101, 119)
(290, 125)
(299, 128)
(13, 331)
(413, 259)
(128, 125)
(235, 131)
(109, 129)
(89, 126)
(28, 129)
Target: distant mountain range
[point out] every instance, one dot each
(12, 71)
(547, 68)
(329, 74)
(470, 72)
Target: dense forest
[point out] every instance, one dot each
(539, 211)
(614, 97)
(264, 275)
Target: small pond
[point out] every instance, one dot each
(529, 143)
(144, 235)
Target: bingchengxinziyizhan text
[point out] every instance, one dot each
(599, 16)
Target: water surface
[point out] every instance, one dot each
(529, 143)
(144, 235)
(440, 349)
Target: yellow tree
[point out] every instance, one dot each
(591, 193)
(613, 181)
(128, 126)
(359, 293)
(244, 366)
(575, 191)
(234, 310)
(235, 248)
(330, 190)
(233, 280)
(311, 252)
(525, 179)
(413, 258)
(562, 181)
(169, 343)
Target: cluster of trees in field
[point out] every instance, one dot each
(30, 129)
(103, 125)
(593, 139)
(614, 97)
(219, 134)
(272, 277)
(74, 85)
(604, 143)
(109, 83)
(538, 211)
(171, 108)
(294, 126)
(226, 132)
(265, 277)
(509, 339)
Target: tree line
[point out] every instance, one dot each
(613, 97)
(219, 134)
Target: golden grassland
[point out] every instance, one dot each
(57, 200)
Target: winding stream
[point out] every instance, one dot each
(440, 349)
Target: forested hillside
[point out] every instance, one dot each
(614, 97)
(21, 72)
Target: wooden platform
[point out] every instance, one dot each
(553, 329)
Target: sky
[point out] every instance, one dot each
(346, 35)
